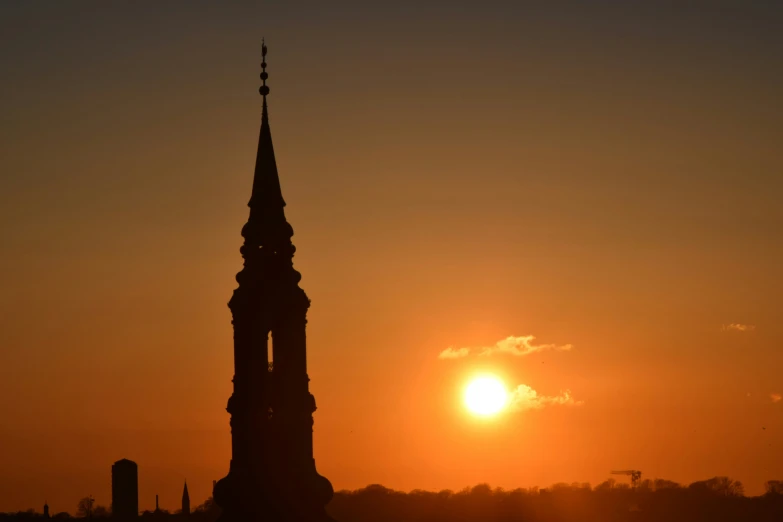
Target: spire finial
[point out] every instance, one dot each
(264, 90)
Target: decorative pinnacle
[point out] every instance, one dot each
(264, 90)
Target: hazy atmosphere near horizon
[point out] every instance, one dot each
(580, 198)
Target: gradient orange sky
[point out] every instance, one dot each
(606, 176)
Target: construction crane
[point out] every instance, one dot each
(636, 475)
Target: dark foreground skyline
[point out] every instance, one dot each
(715, 500)
(582, 199)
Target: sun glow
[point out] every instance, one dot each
(486, 395)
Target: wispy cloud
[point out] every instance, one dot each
(776, 397)
(526, 398)
(518, 346)
(454, 353)
(738, 327)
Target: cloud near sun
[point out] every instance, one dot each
(523, 397)
(737, 327)
(519, 346)
(526, 398)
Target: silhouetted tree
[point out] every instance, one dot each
(773, 487)
(659, 484)
(101, 512)
(723, 486)
(206, 512)
(26, 514)
(208, 505)
(605, 486)
(84, 507)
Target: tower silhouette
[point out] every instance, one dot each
(185, 500)
(272, 474)
(124, 490)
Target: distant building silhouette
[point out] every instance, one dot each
(157, 507)
(124, 490)
(46, 510)
(185, 500)
(272, 474)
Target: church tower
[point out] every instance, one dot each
(272, 474)
(185, 500)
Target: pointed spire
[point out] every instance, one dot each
(266, 184)
(185, 500)
(267, 250)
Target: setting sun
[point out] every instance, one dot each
(486, 395)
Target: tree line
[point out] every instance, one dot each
(719, 499)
